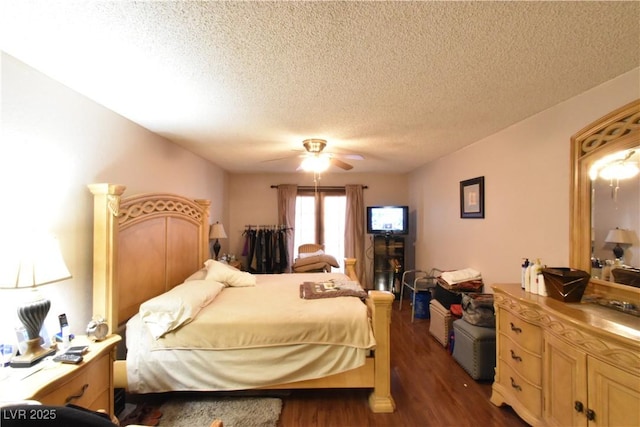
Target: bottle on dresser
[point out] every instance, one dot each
(527, 277)
(535, 270)
(533, 278)
(523, 275)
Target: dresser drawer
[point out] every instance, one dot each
(522, 361)
(526, 335)
(87, 388)
(529, 395)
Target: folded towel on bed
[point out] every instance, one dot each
(314, 290)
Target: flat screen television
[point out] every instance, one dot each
(388, 220)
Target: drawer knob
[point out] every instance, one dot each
(578, 406)
(515, 357)
(591, 415)
(514, 385)
(76, 396)
(515, 329)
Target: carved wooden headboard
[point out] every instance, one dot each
(143, 245)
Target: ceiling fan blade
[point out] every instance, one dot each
(341, 164)
(280, 158)
(350, 156)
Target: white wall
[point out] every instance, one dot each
(55, 142)
(526, 170)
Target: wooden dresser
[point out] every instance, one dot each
(88, 384)
(566, 364)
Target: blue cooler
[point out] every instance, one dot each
(423, 298)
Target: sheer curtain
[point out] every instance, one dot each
(287, 194)
(354, 231)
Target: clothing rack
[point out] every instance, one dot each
(266, 249)
(266, 227)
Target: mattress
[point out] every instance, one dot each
(323, 337)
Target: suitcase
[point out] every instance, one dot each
(475, 349)
(446, 297)
(441, 322)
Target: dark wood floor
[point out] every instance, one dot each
(428, 385)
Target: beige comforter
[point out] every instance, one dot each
(273, 314)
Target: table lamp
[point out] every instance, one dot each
(217, 232)
(618, 236)
(33, 262)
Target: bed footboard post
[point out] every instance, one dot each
(350, 269)
(380, 303)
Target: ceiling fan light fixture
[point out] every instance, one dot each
(618, 166)
(314, 145)
(316, 163)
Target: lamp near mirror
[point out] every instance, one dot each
(217, 232)
(619, 237)
(34, 261)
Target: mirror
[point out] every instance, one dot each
(615, 217)
(617, 133)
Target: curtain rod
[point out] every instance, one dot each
(320, 187)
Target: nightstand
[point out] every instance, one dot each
(88, 384)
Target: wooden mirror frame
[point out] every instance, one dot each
(618, 130)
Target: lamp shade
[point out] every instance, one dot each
(33, 261)
(618, 235)
(217, 231)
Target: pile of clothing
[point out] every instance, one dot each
(465, 280)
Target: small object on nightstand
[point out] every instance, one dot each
(59, 337)
(68, 358)
(78, 350)
(97, 329)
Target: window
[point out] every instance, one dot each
(320, 219)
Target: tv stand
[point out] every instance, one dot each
(388, 262)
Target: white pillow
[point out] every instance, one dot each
(228, 275)
(308, 254)
(178, 306)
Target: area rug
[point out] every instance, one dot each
(196, 411)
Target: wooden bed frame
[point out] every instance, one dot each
(144, 245)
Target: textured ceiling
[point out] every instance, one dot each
(401, 83)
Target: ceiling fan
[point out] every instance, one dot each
(316, 161)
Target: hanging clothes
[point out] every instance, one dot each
(250, 243)
(266, 249)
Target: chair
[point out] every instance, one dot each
(300, 266)
(418, 280)
(309, 248)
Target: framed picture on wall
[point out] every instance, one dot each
(472, 198)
